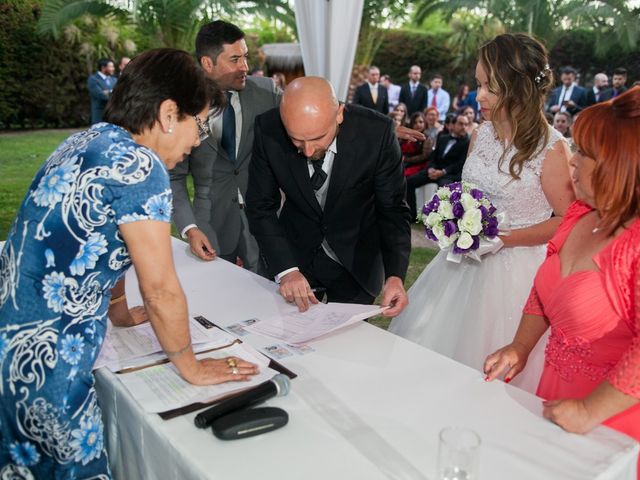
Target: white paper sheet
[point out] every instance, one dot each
(299, 327)
(161, 388)
(125, 347)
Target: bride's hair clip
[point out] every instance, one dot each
(542, 74)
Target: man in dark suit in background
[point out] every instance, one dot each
(618, 85)
(220, 165)
(372, 94)
(568, 97)
(445, 163)
(100, 85)
(594, 94)
(344, 224)
(414, 94)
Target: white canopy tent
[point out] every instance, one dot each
(328, 32)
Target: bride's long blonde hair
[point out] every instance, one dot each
(517, 66)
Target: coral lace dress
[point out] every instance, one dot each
(595, 321)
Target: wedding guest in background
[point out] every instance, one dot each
(124, 61)
(401, 113)
(372, 94)
(549, 118)
(470, 113)
(618, 84)
(344, 224)
(393, 91)
(562, 122)
(438, 97)
(522, 166)
(98, 205)
(415, 154)
(396, 120)
(100, 85)
(600, 84)
(256, 72)
(215, 220)
(569, 97)
(280, 80)
(460, 97)
(432, 126)
(414, 94)
(588, 288)
(448, 123)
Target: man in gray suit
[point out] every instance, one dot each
(216, 220)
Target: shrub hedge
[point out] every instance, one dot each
(43, 81)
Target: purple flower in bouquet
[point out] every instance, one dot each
(477, 194)
(432, 206)
(458, 210)
(490, 228)
(450, 228)
(455, 196)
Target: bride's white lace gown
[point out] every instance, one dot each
(468, 310)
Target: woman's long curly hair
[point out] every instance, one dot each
(517, 66)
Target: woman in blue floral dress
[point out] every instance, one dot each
(99, 203)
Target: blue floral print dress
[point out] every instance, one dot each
(63, 255)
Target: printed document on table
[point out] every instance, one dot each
(161, 388)
(297, 327)
(125, 347)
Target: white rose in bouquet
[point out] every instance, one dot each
(468, 202)
(471, 222)
(465, 241)
(446, 210)
(433, 219)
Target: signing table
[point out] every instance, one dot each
(365, 405)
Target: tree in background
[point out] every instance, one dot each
(615, 22)
(156, 23)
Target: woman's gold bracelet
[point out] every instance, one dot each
(119, 299)
(179, 352)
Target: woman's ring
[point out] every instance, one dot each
(234, 371)
(232, 362)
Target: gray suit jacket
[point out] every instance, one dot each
(216, 179)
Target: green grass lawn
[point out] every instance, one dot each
(21, 154)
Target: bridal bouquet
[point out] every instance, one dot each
(462, 220)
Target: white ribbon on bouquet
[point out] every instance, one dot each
(487, 245)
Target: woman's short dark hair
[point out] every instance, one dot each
(153, 77)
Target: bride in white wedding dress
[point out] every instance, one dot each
(468, 310)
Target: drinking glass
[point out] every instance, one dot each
(458, 454)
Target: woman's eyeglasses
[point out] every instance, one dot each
(203, 128)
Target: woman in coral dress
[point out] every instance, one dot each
(588, 288)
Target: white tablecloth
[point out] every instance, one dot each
(366, 405)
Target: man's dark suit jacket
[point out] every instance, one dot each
(608, 93)
(454, 159)
(365, 219)
(415, 103)
(99, 91)
(362, 96)
(590, 97)
(578, 95)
